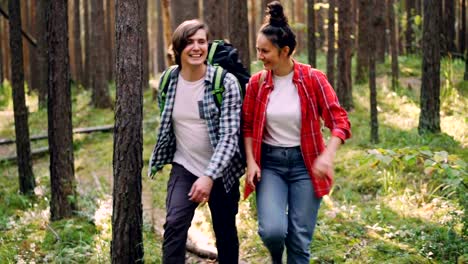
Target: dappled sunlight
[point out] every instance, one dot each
(458, 129)
(103, 222)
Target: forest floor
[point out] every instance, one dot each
(403, 200)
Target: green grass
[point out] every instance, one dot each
(403, 200)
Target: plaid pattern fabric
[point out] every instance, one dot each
(317, 99)
(223, 127)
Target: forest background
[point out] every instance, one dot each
(75, 71)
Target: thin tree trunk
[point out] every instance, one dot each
(6, 50)
(1, 56)
(373, 28)
(393, 43)
(145, 47)
(167, 30)
(312, 57)
(344, 88)
(127, 225)
(379, 13)
(410, 12)
(239, 27)
(100, 89)
(216, 18)
(23, 147)
(362, 60)
(182, 10)
(33, 66)
(253, 29)
(320, 22)
(160, 44)
(449, 26)
(77, 42)
(42, 54)
(463, 34)
(331, 43)
(26, 62)
(87, 41)
(429, 119)
(63, 193)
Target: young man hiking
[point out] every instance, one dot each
(200, 140)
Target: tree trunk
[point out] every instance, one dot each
(216, 18)
(320, 22)
(393, 43)
(77, 42)
(110, 38)
(160, 44)
(449, 26)
(238, 27)
(145, 47)
(23, 147)
(182, 10)
(1, 56)
(331, 43)
(299, 12)
(429, 119)
(374, 28)
(344, 88)
(87, 41)
(463, 34)
(42, 54)
(362, 60)
(253, 29)
(410, 12)
(26, 62)
(99, 59)
(6, 50)
(33, 67)
(312, 57)
(127, 225)
(63, 193)
(167, 30)
(381, 44)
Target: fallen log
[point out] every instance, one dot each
(34, 153)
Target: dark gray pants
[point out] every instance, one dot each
(180, 212)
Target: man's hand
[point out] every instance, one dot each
(201, 189)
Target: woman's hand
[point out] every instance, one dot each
(323, 165)
(253, 174)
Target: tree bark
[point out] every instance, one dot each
(253, 29)
(100, 89)
(26, 62)
(145, 47)
(429, 119)
(167, 30)
(2, 74)
(110, 38)
(393, 43)
(127, 217)
(6, 51)
(160, 44)
(409, 34)
(33, 67)
(182, 10)
(77, 42)
(238, 27)
(216, 18)
(23, 147)
(42, 54)
(87, 42)
(63, 193)
(449, 26)
(312, 57)
(362, 60)
(379, 16)
(331, 43)
(463, 34)
(344, 89)
(373, 28)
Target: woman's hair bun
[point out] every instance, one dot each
(276, 15)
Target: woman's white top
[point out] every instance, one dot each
(283, 114)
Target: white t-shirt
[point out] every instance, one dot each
(283, 114)
(193, 147)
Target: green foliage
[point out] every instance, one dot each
(5, 95)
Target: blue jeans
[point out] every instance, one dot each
(286, 204)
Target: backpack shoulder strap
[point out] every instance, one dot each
(164, 85)
(218, 87)
(213, 47)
